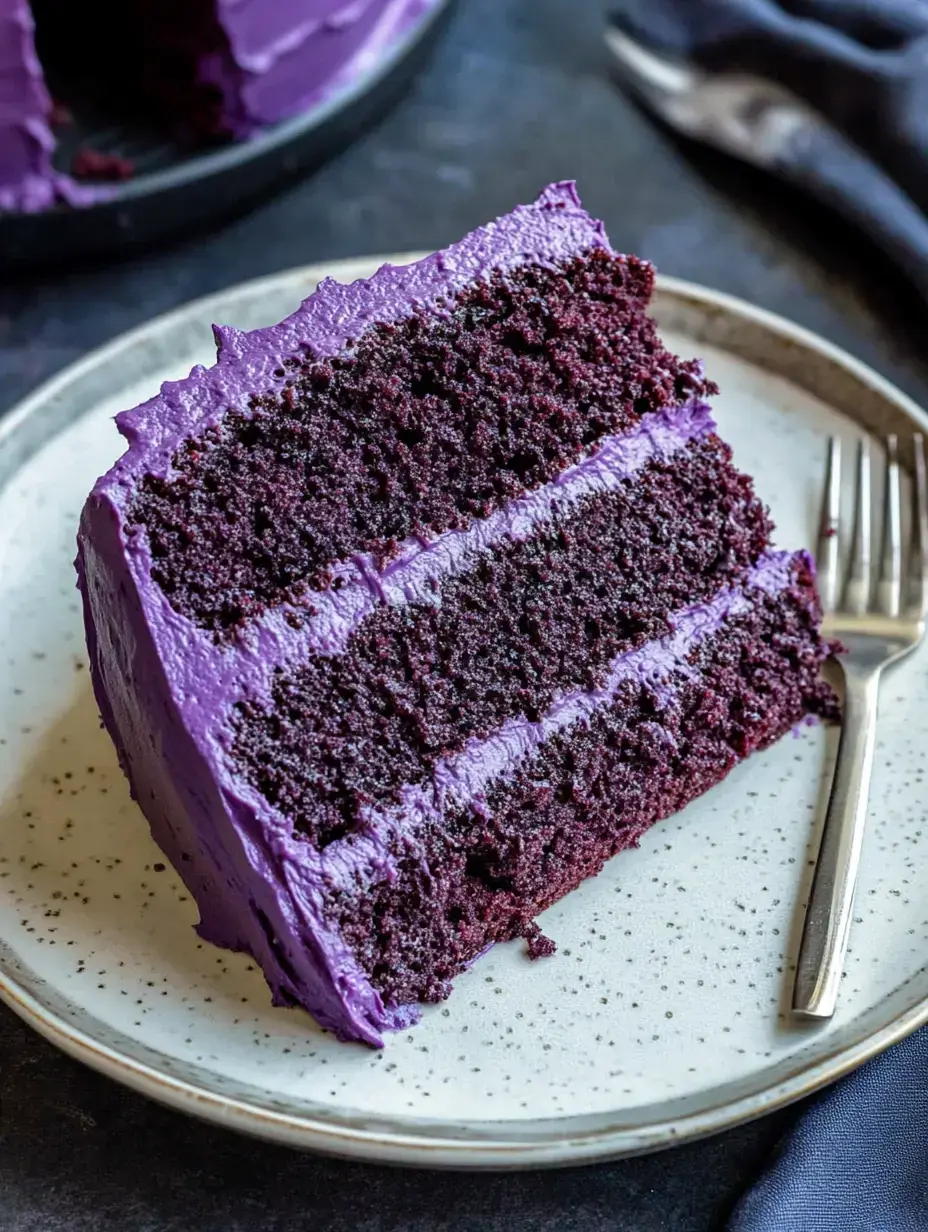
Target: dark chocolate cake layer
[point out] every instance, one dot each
(419, 427)
(416, 681)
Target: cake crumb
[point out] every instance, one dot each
(88, 164)
(60, 115)
(539, 946)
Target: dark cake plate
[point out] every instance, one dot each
(174, 191)
(657, 1020)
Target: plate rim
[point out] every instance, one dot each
(408, 1142)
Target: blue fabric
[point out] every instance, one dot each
(860, 65)
(858, 1159)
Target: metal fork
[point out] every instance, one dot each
(878, 625)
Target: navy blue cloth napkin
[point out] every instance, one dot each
(861, 65)
(858, 1159)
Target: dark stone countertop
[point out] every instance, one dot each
(518, 94)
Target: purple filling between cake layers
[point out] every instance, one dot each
(330, 617)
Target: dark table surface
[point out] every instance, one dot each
(518, 94)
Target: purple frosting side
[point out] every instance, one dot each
(26, 141)
(28, 181)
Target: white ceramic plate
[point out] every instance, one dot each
(662, 1015)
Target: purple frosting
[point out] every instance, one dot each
(28, 182)
(26, 140)
(165, 689)
(279, 59)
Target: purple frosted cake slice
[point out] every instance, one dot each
(419, 606)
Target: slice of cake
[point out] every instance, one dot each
(204, 68)
(419, 606)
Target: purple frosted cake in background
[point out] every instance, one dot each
(416, 608)
(206, 68)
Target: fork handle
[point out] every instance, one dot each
(831, 903)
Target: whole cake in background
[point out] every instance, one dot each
(419, 606)
(206, 69)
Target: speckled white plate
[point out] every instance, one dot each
(662, 1015)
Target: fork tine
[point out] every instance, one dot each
(889, 587)
(827, 563)
(917, 566)
(857, 586)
